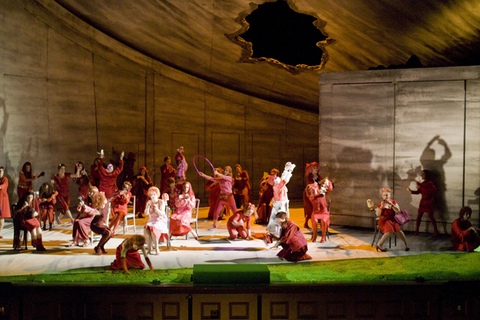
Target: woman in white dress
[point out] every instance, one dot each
(156, 228)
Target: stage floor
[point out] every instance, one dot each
(212, 247)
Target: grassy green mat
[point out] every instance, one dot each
(424, 267)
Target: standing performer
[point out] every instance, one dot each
(108, 177)
(167, 171)
(294, 245)
(316, 194)
(226, 196)
(465, 237)
(280, 200)
(180, 219)
(60, 180)
(99, 202)
(427, 203)
(213, 198)
(127, 256)
(25, 178)
(120, 206)
(141, 184)
(83, 181)
(182, 165)
(46, 197)
(95, 172)
(235, 224)
(311, 172)
(29, 221)
(172, 192)
(241, 187)
(386, 210)
(266, 195)
(4, 203)
(156, 228)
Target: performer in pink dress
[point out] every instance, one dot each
(108, 177)
(25, 178)
(180, 219)
(311, 172)
(4, 202)
(60, 181)
(82, 223)
(280, 200)
(386, 210)
(316, 194)
(294, 245)
(156, 228)
(29, 220)
(127, 256)
(141, 184)
(226, 196)
(241, 187)
(465, 237)
(427, 203)
(167, 171)
(266, 196)
(182, 164)
(236, 224)
(46, 199)
(120, 206)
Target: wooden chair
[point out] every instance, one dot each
(130, 215)
(18, 231)
(194, 218)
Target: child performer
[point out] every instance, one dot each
(156, 228)
(225, 197)
(127, 255)
(119, 206)
(280, 200)
(235, 224)
(316, 194)
(291, 239)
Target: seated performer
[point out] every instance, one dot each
(465, 237)
(127, 256)
(291, 239)
(280, 200)
(316, 194)
(235, 224)
(29, 221)
(180, 219)
(99, 202)
(82, 224)
(46, 199)
(225, 197)
(119, 206)
(156, 228)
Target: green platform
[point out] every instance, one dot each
(230, 274)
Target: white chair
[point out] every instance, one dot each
(194, 218)
(130, 215)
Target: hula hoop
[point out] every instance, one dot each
(211, 165)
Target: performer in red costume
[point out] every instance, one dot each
(236, 224)
(172, 192)
(316, 194)
(167, 171)
(99, 202)
(127, 256)
(293, 242)
(29, 220)
(4, 202)
(213, 198)
(60, 181)
(180, 219)
(46, 199)
(386, 210)
(82, 223)
(465, 237)
(83, 182)
(311, 172)
(141, 184)
(95, 173)
(119, 206)
(241, 187)
(266, 195)
(25, 178)
(427, 204)
(108, 177)
(226, 196)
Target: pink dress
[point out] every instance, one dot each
(81, 225)
(157, 221)
(180, 220)
(4, 203)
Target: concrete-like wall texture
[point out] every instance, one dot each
(381, 128)
(67, 91)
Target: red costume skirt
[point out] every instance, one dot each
(133, 259)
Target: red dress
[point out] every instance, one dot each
(27, 220)
(241, 189)
(166, 172)
(4, 203)
(212, 197)
(81, 225)
(132, 257)
(108, 181)
(427, 189)
(241, 231)
(180, 219)
(63, 197)
(266, 195)
(140, 190)
(293, 243)
(387, 222)
(24, 184)
(462, 238)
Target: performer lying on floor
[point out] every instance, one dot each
(127, 256)
(291, 239)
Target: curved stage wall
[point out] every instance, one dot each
(67, 90)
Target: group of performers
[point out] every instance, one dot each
(229, 190)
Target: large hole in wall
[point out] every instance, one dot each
(275, 32)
